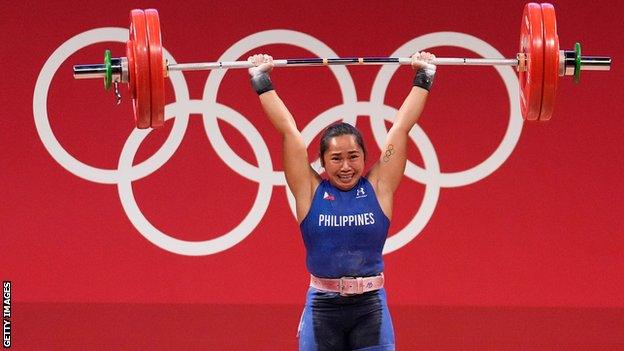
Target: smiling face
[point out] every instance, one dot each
(343, 161)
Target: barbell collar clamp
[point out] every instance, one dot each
(119, 67)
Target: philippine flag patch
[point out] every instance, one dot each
(328, 196)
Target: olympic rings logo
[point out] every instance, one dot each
(263, 174)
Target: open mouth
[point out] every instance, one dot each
(345, 178)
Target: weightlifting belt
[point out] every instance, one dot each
(348, 285)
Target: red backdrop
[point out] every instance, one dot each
(539, 224)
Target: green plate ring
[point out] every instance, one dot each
(108, 79)
(577, 63)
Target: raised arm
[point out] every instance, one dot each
(387, 172)
(301, 178)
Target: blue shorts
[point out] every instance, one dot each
(356, 322)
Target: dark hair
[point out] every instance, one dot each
(339, 129)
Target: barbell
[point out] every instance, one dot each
(539, 63)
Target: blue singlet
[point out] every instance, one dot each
(344, 232)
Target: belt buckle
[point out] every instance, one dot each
(350, 279)
(341, 285)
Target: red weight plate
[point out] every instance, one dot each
(141, 101)
(532, 45)
(157, 77)
(131, 77)
(551, 61)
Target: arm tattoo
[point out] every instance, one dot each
(389, 152)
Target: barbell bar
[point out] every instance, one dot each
(539, 64)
